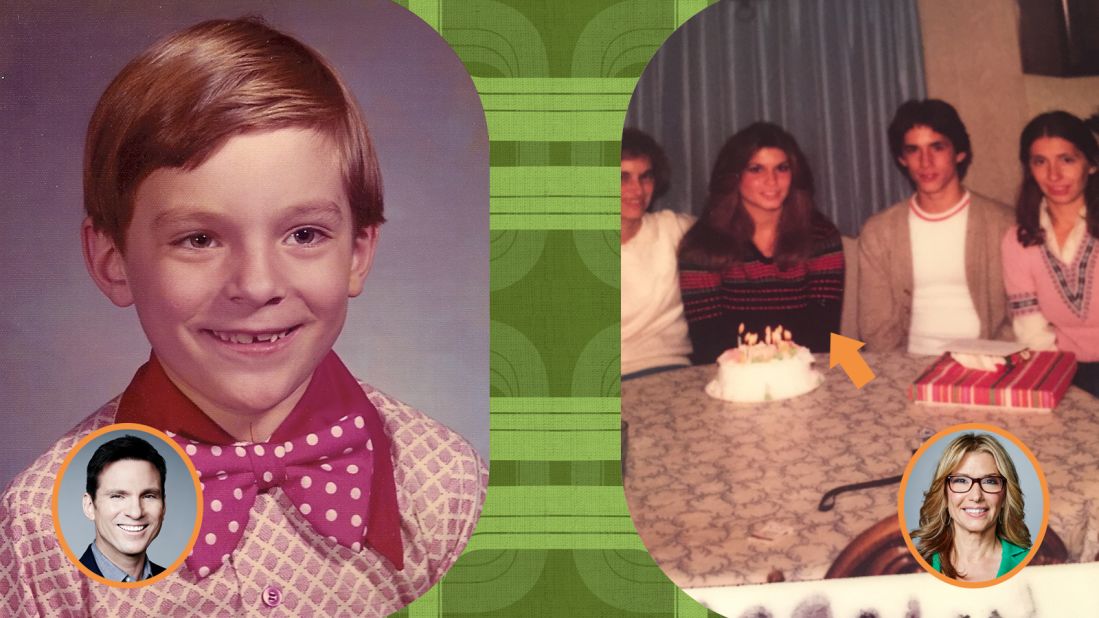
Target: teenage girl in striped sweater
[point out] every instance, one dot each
(760, 254)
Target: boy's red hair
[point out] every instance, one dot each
(185, 96)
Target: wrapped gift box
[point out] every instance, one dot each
(1037, 383)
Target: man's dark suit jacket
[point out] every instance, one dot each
(88, 560)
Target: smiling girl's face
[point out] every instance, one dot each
(765, 181)
(1060, 170)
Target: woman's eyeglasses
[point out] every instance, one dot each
(989, 484)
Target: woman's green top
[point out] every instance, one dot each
(1010, 557)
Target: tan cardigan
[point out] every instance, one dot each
(886, 279)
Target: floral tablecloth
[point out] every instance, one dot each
(726, 494)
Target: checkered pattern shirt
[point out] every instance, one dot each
(281, 567)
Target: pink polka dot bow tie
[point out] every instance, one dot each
(327, 475)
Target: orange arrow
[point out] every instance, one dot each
(844, 351)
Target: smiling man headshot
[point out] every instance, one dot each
(125, 500)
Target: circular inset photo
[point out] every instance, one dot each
(126, 505)
(974, 505)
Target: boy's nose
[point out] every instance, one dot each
(257, 280)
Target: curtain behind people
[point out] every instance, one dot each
(831, 72)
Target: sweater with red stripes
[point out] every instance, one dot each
(805, 299)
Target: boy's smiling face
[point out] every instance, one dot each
(240, 270)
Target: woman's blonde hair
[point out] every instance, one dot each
(180, 100)
(936, 532)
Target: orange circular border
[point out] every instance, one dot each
(57, 488)
(1003, 433)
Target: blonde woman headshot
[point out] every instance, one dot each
(971, 524)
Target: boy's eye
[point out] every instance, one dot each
(307, 236)
(197, 241)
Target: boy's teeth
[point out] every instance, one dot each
(247, 339)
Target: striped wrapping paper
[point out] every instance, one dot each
(1035, 384)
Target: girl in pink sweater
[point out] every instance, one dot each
(1050, 258)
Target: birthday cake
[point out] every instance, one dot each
(764, 370)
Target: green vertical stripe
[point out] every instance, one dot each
(555, 79)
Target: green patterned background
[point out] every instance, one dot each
(555, 78)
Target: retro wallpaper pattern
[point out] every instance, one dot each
(555, 79)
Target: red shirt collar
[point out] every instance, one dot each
(152, 399)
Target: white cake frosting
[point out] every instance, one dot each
(763, 371)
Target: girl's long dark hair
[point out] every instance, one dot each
(723, 234)
(1073, 130)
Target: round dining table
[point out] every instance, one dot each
(726, 494)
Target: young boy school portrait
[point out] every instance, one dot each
(233, 197)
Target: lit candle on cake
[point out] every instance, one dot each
(764, 366)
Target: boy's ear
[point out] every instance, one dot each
(89, 507)
(104, 262)
(362, 258)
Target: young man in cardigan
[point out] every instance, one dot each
(929, 266)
